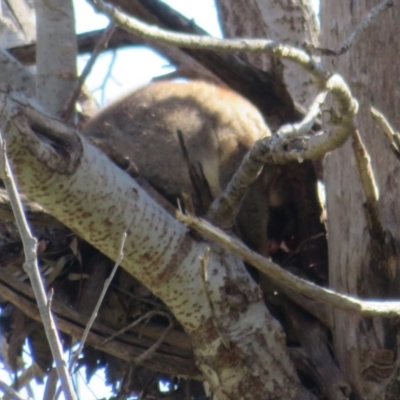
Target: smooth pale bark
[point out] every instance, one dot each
(16, 33)
(365, 349)
(17, 23)
(291, 22)
(239, 347)
(56, 53)
(15, 74)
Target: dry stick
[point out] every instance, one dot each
(32, 269)
(151, 32)
(361, 27)
(136, 322)
(393, 136)
(6, 389)
(381, 244)
(298, 56)
(51, 385)
(305, 126)
(285, 278)
(347, 107)
(229, 201)
(100, 46)
(98, 304)
(325, 80)
(333, 83)
(107, 76)
(28, 375)
(152, 349)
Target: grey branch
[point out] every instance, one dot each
(32, 269)
(93, 317)
(393, 136)
(340, 301)
(361, 27)
(6, 389)
(156, 34)
(292, 143)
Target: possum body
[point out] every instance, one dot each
(219, 127)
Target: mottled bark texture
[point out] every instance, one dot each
(366, 349)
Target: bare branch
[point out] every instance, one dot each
(51, 385)
(162, 251)
(381, 243)
(305, 126)
(86, 43)
(361, 27)
(393, 136)
(32, 269)
(150, 351)
(6, 389)
(271, 47)
(225, 208)
(100, 46)
(178, 358)
(107, 283)
(350, 304)
(134, 323)
(223, 212)
(290, 144)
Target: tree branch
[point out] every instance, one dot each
(98, 305)
(361, 27)
(389, 309)
(290, 144)
(32, 269)
(176, 356)
(209, 43)
(392, 135)
(61, 171)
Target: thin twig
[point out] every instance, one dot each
(107, 76)
(285, 278)
(361, 27)
(98, 49)
(8, 390)
(305, 126)
(290, 144)
(393, 136)
(223, 210)
(32, 269)
(381, 248)
(156, 34)
(98, 304)
(136, 322)
(152, 349)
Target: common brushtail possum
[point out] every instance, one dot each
(218, 126)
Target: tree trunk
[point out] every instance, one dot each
(365, 349)
(291, 22)
(56, 52)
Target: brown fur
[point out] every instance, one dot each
(218, 127)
